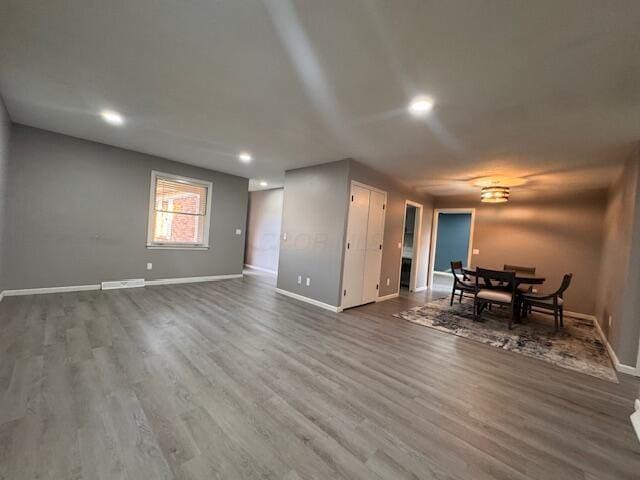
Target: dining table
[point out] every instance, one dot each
(521, 278)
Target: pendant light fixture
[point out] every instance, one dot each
(494, 194)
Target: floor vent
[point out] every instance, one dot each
(132, 283)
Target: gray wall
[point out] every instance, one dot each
(314, 220)
(5, 131)
(79, 213)
(397, 194)
(619, 285)
(264, 221)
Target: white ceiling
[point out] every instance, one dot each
(549, 90)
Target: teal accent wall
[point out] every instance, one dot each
(453, 240)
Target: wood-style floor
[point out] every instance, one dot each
(230, 380)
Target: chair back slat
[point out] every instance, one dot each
(456, 269)
(494, 279)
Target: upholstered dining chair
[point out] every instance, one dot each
(494, 287)
(461, 282)
(551, 302)
(519, 269)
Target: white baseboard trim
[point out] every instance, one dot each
(420, 289)
(260, 269)
(635, 421)
(311, 301)
(621, 367)
(581, 316)
(387, 297)
(174, 281)
(40, 291)
(139, 283)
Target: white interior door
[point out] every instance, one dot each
(355, 248)
(373, 256)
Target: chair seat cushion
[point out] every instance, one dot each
(495, 296)
(524, 288)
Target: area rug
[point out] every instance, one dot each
(576, 347)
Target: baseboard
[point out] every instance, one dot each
(420, 289)
(621, 367)
(387, 297)
(40, 291)
(260, 269)
(635, 421)
(174, 281)
(82, 288)
(581, 316)
(311, 301)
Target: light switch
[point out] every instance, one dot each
(284, 237)
(308, 282)
(388, 281)
(476, 251)
(299, 279)
(238, 231)
(399, 244)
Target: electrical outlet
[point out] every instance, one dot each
(388, 281)
(399, 244)
(308, 281)
(238, 231)
(284, 236)
(299, 279)
(610, 319)
(476, 251)
(149, 266)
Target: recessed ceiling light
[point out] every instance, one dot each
(111, 117)
(263, 183)
(420, 106)
(245, 157)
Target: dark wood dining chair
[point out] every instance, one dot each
(494, 287)
(550, 302)
(461, 281)
(519, 269)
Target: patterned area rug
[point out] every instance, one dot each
(577, 346)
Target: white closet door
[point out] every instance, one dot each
(373, 256)
(355, 249)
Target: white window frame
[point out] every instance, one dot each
(151, 223)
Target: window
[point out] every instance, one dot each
(179, 212)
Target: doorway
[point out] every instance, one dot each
(452, 240)
(410, 257)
